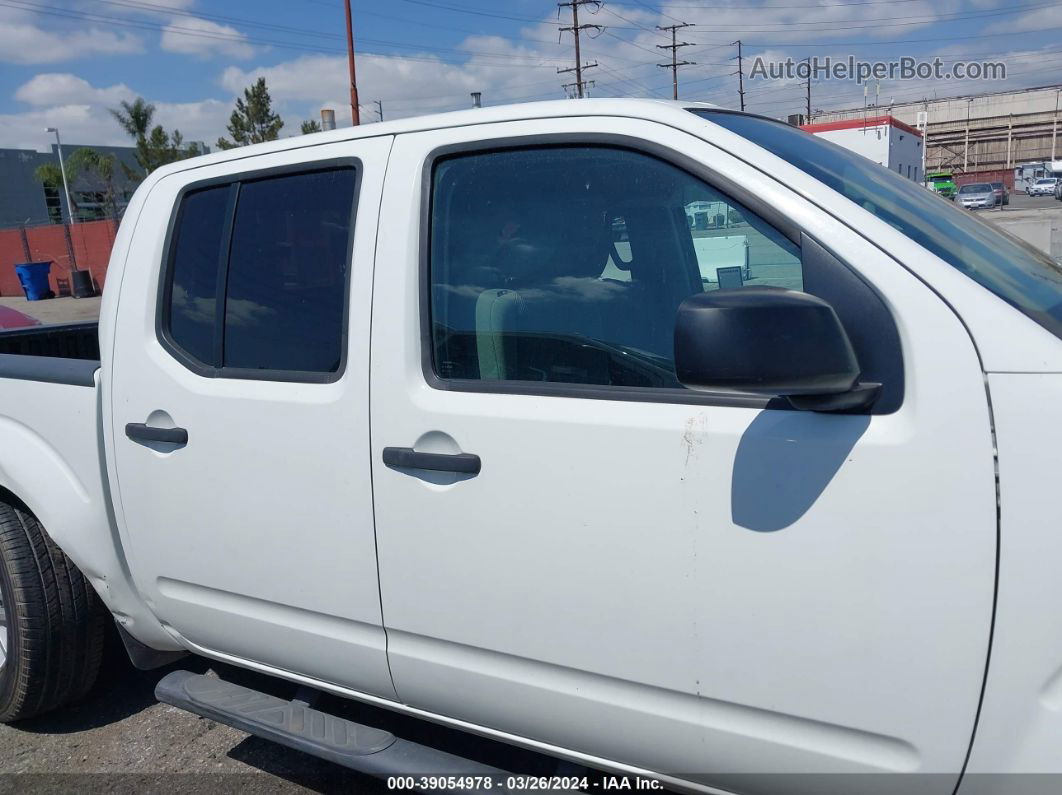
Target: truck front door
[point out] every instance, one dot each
(576, 550)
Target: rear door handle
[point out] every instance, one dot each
(139, 432)
(408, 458)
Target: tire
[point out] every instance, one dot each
(53, 624)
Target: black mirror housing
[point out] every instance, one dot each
(768, 341)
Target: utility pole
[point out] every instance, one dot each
(807, 115)
(741, 75)
(674, 47)
(575, 28)
(354, 113)
(379, 109)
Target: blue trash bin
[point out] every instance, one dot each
(34, 279)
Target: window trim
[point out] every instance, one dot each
(165, 286)
(728, 187)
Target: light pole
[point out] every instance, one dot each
(62, 169)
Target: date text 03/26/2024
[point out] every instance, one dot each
(521, 783)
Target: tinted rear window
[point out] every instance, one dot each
(196, 257)
(272, 256)
(288, 273)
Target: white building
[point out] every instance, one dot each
(883, 139)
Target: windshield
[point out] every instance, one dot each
(997, 186)
(1047, 181)
(977, 188)
(1015, 271)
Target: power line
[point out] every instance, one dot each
(799, 6)
(875, 22)
(674, 47)
(507, 59)
(173, 10)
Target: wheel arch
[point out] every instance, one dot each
(35, 477)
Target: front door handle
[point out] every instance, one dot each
(139, 432)
(408, 458)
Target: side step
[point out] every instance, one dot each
(356, 746)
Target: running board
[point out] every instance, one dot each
(295, 725)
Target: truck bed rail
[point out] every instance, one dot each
(61, 354)
(64, 341)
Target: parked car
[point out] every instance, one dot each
(976, 195)
(390, 412)
(1058, 189)
(1044, 186)
(1002, 194)
(12, 318)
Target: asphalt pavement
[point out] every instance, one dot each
(120, 739)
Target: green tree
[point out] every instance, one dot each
(310, 126)
(85, 163)
(253, 121)
(51, 176)
(103, 169)
(154, 146)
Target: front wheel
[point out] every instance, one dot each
(52, 623)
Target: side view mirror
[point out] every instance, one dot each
(769, 341)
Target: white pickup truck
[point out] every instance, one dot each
(441, 415)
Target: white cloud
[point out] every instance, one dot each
(22, 41)
(203, 38)
(202, 121)
(81, 112)
(52, 89)
(79, 125)
(92, 125)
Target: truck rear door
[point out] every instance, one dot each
(240, 400)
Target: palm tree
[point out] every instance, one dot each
(135, 117)
(154, 146)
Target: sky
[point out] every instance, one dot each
(64, 63)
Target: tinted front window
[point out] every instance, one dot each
(288, 273)
(196, 254)
(568, 264)
(1019, 274)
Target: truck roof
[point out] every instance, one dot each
(651, 109)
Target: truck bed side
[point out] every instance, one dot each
(51, 459)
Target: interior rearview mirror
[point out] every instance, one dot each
(769, 341)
